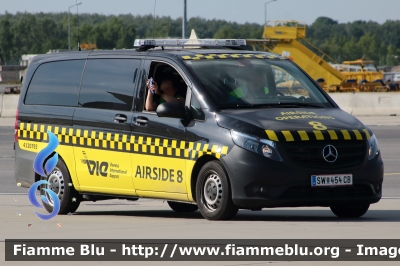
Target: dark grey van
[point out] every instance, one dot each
(252, 131)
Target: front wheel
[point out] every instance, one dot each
(213, 193)
(350, 211)
(61, 184)
(182, 207)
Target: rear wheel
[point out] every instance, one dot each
(61, 184)
(182, 207)
(350, 211)
(213, 193)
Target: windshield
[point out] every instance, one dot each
(256, 82)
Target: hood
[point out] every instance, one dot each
(287, 124)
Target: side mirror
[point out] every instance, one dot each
(171, 109)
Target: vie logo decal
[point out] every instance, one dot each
(44, 163)
(100, 167)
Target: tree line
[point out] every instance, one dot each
(26, 33)
(358, 39)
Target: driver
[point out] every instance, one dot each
(167, 92)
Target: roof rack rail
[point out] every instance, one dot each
(146, 44)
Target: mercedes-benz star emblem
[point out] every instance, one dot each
(330, 153)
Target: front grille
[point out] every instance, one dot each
(327, 192)
(309, 154)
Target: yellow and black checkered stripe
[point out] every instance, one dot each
(302, 135)
(231, 56)
(121, 142)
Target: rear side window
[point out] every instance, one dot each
(56, 83)
(109, 84)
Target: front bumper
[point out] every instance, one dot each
(258, 182)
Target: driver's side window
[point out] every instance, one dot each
(167, 85)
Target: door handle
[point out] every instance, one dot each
(120, 118)
(141, 121)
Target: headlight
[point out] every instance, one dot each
(263, 147)
(373, 148)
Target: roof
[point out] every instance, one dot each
(60, 56)
(196, 54)
(184, 54)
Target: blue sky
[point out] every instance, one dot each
(240, 11)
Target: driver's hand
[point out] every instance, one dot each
(153, 87)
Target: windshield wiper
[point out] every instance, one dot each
(288, 104)
(235, 106)
(305, 104)
(273, 105)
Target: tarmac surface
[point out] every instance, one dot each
(153, 219)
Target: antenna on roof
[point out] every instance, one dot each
(193, 39)
(193, 35)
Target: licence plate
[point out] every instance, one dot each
(331, 180)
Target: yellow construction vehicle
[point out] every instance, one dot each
(282, 37)
(364, 72)
(88, 46)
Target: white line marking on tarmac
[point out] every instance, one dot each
(7, 194)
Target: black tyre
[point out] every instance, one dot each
(182, 207)
(61, 184)
(213, 193)
(350, 211)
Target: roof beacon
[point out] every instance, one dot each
(189, 42)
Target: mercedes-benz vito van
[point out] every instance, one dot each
(255, 131)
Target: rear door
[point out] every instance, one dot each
(102, 126)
